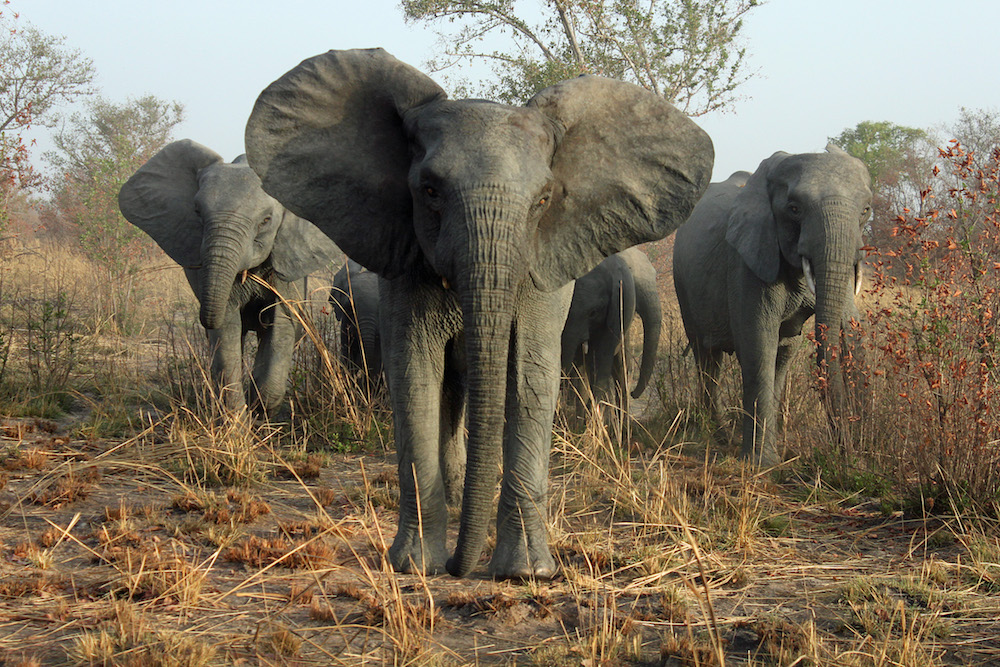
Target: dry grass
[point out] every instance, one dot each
(141, 526)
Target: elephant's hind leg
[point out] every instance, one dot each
(709, 370)
(453, 450)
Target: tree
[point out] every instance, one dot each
(900, 160)
(37, 72)
(978, 130)
(96, 152)
(684, 50)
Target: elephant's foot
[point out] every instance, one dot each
(408, 555)
(522, 558)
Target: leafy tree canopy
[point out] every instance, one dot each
(881, 145)
(96, 152)
(685, 50)
(37, 72)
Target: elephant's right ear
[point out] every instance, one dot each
(328, 142)
(752, 229)
(159, 199)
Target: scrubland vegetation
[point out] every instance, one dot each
(141, 526)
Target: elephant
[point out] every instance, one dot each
(478, 216)
(600, 314)
(242, 254)
(761, 254)
(354, 297)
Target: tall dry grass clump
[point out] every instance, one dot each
(931, 426)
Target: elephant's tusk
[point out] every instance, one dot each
(858, 277)
(586, 347)
(243, 276)
(444, 283)
(810, 278)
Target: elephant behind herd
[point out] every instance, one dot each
(468, 223)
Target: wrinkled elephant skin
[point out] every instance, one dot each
(477, 216)
(760, 255)
(242, 253)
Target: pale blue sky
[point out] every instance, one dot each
(822, 66)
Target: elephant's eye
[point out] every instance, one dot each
(265, 221)
(543, 201)
(431, 192)
(794, 209)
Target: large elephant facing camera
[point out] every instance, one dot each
(478, 216)
(213, 219)
(605, 301)
(761, 254)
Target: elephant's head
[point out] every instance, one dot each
(475, 195)
(806, 212)
(214, 217)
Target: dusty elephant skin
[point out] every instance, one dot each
(213, 218)
(477, 216)
(605, 300)
(761, 254)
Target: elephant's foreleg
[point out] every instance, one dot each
(420, 319)
(273, 362)
(758, 359)
(225, 345)
(533, 385)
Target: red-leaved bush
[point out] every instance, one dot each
(932, 420)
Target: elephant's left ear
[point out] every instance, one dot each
(629, 167)
(300, 248)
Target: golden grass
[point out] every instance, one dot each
(193, 537)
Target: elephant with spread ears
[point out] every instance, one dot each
(243, 253)
(478, 216)
(605, 301)
(760, 255)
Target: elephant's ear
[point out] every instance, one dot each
(328, 142)
(300, 248)
(159, 199)
(751, 228)
(628, 166)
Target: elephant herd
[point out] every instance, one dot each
(490, 246)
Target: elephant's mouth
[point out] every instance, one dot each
(807, 269)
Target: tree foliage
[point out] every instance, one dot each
(96, 152)
(978, 131)
(37, 72)
(685, 50)
(900, 160)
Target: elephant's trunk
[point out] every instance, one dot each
(486, 287)
(835, 283)
(647, 302)
(223, 256)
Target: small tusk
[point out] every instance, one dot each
(444, 283)
(810, 278)
(243, 276)
(858, 278)
(586, 347)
